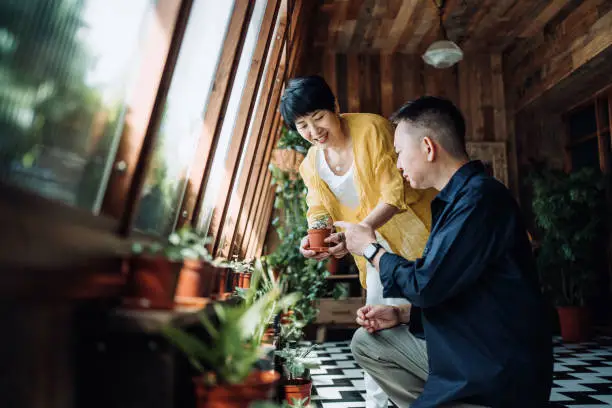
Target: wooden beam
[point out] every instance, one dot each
(329, 70)
(261, 237)
(134, 193)
(500, 114)
(140, 105)
(241, 123)
(364, 18)
(400, 28)
(215, 110)
(335, 26)
(256, 146)
(428, 18)
(352, 62)
(386, 84)
(537, 24)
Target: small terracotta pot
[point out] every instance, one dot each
(246, 281)
(259, 386)
(316, 239)
(153, 280)
(268, 337)
(298, 389)
(197, 279)
(332, 265)
(574, 322)
(222, 281)
(286, 317)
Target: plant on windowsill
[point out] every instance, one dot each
(179, 267)
(289, 152)
(242, 271)
(227, 361)
(569, 209)
(296, 372)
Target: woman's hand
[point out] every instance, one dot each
(309, 253)
(339, 250)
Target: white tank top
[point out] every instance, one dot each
(343, 187)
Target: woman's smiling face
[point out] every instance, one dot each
(319, 127)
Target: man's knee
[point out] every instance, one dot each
(359, 343)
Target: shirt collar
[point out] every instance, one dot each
(459, 179)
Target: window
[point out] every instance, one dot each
(65, 66)
(183, 115)
(589, 135)
(218, 165)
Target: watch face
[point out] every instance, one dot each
(369, 251)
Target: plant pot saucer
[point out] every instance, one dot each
(319, 249)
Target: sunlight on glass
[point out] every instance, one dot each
(183, 115)
(218, 166)
(64, 69)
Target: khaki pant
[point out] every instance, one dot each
(396, 360)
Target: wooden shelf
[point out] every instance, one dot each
(335, 277)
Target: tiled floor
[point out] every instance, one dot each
(583, 376)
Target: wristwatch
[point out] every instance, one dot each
(371, 250)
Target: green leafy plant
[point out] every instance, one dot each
(570, 211)
(235, 342)
(296, 403)
(182, 244)
(320, 222)
(296, 364)
(290, 139)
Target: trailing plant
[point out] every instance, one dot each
(570, 211)
(290, 139)
(296, 364)
(182, 244)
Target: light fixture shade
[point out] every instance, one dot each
(443, 54)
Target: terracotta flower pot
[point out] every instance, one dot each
(286, 317)
(246, 281)
(316, 238)
(268, 337)
(332, 265)
(298, 389)
(197, 279)
(574, 323)
(222, 281)
(259, 386)
(153, 281)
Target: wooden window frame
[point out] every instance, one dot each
(241, 125)
(253, 162)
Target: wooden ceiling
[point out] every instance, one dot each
(409, 26)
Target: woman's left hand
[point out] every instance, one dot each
(339, 250)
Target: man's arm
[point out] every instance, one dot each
(473, 235)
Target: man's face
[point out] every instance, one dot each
(414, 155)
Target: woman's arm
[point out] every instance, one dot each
(379, 216)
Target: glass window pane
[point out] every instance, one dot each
(183, 115)
(65, 66)
(585, 154)
(582, 123)
(218, 166)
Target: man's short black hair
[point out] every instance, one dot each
(304, 95)
(440, 116)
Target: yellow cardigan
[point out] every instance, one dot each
(377, 180)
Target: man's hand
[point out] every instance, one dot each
(339, 250)
(309, 253)
(358, 236)
(378, 317)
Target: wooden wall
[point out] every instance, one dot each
(381, 83)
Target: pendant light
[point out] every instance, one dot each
(443, 53)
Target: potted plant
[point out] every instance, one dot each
(182, 267)
(227, 361)
(569, 209)
(318, 230)
(242, 272)
(296, 372)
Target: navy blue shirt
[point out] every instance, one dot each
(483, 315)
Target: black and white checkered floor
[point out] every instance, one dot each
(583, 376)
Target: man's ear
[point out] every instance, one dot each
(431, 149)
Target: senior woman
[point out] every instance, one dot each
(351, 175)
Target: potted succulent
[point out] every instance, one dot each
(319, 229)
(242, 272)
(227, 361)
(570, 210)
(296, 372)
(182, 266)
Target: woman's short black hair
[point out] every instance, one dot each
(304, 95)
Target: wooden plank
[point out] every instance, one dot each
(345, 35)
(375, 83)
(486, 97)
(364, 19)
(256, 145)
(335, 27)
(329, 70)
(386, 84)
(475, 84)
(500, 115)
(365, 81)
(428, 18)
(261, 236)
(134, 193)
(353, 83)
(465, 95)
(400, 29)
(267, 196)
(215, 110)
(157, 45)
(241, 123)
(537, 24)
